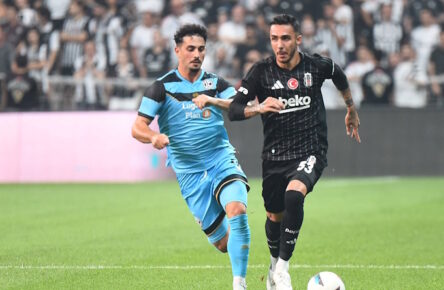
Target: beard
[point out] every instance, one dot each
(290, 55)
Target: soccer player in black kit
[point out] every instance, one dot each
(288, 90)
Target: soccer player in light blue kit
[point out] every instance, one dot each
(189, 103)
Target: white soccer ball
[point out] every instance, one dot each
(325, 281)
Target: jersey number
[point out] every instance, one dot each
(307, 165)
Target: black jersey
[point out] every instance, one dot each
(300, 129)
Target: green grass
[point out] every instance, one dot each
(375, 233)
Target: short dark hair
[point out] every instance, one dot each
(286, 19)
(189, 30)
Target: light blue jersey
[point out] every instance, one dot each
(196, 136)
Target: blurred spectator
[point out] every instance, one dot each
(414, 9)
(58, 9)
(436, 69)
(271, 8)
(26, 15)
(178, 15)
(212, 44)
(142, 39)
(6, 54)
(15, 30)
(424, 37)
(356, 70)
(387, 34)
(377, 84)
(234, 31)
(409, 88)
(36, 54)
(73, 36)
(157, 58)
(251, 58)
(343, 16)
(49, 38)
(22, 93)
(154, 6)
(89, 68)
(253, 41)
(308, 31)
(106, 28)
(123, 97)
(328, 38)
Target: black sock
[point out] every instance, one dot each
(291, 223)
(273, 233)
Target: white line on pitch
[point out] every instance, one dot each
(190, 267)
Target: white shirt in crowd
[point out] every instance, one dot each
(423, 39)
(58, 8)
(407, 92)
(354, 72)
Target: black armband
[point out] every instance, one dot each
(236, 111)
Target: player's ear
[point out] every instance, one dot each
(176, 49)
(298, 39)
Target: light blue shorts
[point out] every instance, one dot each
(201, 191)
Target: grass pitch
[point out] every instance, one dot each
(377, 233)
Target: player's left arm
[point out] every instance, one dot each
(351, 118)
(203, 100)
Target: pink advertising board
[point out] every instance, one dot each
(76, 147)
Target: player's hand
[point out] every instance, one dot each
(202, 101)
(271, 105)
(160, 141)
(352, 124)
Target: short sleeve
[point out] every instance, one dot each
(152, 100)
(224, 89)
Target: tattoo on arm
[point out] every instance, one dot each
(346, 94)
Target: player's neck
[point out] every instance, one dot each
(294, 61)
(189, 75)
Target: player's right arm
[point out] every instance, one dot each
(240, 109)
(152, 101)
(142, 132)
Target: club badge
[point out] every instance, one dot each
(208, 84)
(308, 80)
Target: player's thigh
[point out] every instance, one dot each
(208, 213)
(229, 181)
(305, 173)
(274, 183)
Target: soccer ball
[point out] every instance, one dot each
(325, 281)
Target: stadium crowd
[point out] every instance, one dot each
(101, 54)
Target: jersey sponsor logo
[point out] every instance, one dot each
(308, 80)
(293, 83)
(295, 104)
(243, 90)
(293, 232)
(208, 84)
(277, 85)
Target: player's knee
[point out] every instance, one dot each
(275, 217)
(221, 245)
(235, 208)
(293, 199)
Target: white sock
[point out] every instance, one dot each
(273, 262)
(282, 265)
(238, 280)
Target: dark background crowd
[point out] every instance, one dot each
(101, 54)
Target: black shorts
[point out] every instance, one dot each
(277, 174)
